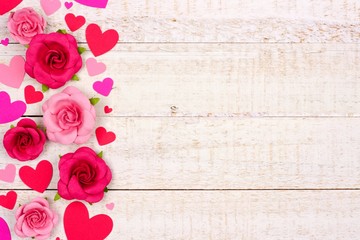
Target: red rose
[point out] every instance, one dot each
(53, 59)
(83, 176)
(25, 141)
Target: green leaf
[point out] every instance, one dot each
(75, 78)
(44, 88)
(62, 31)
(57, 197)
(90, 203)
(81, 50)
(94, 101)
(106, 189)
(26, 45)
(100, 154)
(60, 156)
(12, 126)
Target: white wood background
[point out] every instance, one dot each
(235, 119)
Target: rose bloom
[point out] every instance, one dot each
(25, 141)
(83, 176)
(35, 219)
(69, 117)
(24, 24)
(53, 59)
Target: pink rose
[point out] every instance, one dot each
(53, 59)
(35, 219)
(24, 24)
(25, 141)
(69, 117)
(83, 176)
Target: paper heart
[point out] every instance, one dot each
(103, 87)
(4, 230)
(110, 206)
(78, 225)
(5, 41)
(32, 96)
(50, 6)
(7, 5)
(39, 178)
(107, 109)
(8, 173)
(74, 22)
(68, 5)
(10, 111)
(94, 67)
(104, 137)
(8, 201)
(13, 75)
(93, 3)
(100, 43)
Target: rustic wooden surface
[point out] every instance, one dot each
(235, 119)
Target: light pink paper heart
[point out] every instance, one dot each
(8, 173)
(104, 87)
(13, 75)
(50, 6)
(4, 230)
(110, 206)
(68, 5)
(94, 67)
(93, 3)
(10, 111)
(5, 41)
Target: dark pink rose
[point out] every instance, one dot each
(53, 59)
(35, 219)
(25, 141)
(83, 176)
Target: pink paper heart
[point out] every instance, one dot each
(8, 174)
(104, 87)
(13, 75)
(110, 206)
(10, 111)
(68, 5)
(50, 6)
(5, 41)
(93, 3)
(4, 230)
(94, 67)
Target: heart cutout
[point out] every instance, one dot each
(13, 75)
(4, 230)
(8, 201)
(99, 42)
(103, 87)
(93, 3)
(32, 96)
(68, 5)
(39, 178)
(10, 111)
(8, 5)
(107, 109)
(78, 225)
(110, 206)
(74, 22)
(50, 6)
(94, 67)
(8, 173)
(5, 41)
(104, 137)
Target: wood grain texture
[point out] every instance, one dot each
(223, 153)
(222, 80)
(300, 21)
(255, 215)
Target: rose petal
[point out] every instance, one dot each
(27, 123)
(75, 189)
(95, 198)
(88, 124)
(63, 191)
(66, 136)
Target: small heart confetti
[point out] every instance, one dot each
(104, 137)
(110, 206)
(5, 42)
(107, 109)
(32, 96)
(74, 22)
(68, 5)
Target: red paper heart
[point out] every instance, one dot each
(100, 43)
(8, 201)
(104, 137)
(74, 22)
(7, 5)
(38, 179)
(78, 225)
(32, 96)
(107, 109)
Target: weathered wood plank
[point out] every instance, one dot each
(218, 21)
(179, 215)
(222, 153)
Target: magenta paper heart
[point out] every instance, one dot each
(104, 87)
(5, 42)
(4, 230)
(93, 3)
(13, 75)
(68, 5)
(8, 174)
(10, 111)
